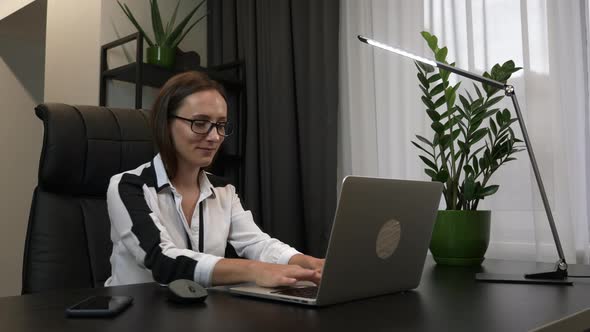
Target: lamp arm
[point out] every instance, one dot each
(509, 90)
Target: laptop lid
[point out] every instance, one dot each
(379, 240)
(380, 237)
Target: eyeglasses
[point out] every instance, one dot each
(204, 127)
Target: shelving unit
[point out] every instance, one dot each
(229, 162)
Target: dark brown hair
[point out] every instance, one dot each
(168, 102)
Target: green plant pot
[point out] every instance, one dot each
(161, 56)
(460, 238)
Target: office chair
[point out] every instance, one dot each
(68, 237)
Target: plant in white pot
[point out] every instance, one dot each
(471, 139)
(162, 50)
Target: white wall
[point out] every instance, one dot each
(72, 55)
(8, 7)
(22, 51)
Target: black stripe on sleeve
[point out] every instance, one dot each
(164, 269)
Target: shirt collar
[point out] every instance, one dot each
(163, 181)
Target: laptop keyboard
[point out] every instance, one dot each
(306, 292)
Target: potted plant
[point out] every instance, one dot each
(471, 139)
(163, 50)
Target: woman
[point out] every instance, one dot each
(172, 220)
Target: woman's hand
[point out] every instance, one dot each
(273, 275)
(308, 262)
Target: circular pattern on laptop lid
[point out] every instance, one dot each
(388, 238)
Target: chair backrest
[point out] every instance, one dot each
(68, 237)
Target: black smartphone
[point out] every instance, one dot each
(99, 306)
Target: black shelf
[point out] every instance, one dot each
(155, 76)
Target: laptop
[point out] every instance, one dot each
(378, 245)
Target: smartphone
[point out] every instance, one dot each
(99, 306)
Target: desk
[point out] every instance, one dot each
(448, 299)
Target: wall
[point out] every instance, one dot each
(72, 54)
(22, 57)
(8, 7)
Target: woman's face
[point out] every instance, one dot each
(197, 150)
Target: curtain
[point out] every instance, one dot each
(290, 54)
(381, 111)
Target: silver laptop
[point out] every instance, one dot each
(378, 245)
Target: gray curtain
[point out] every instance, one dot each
(290, 54)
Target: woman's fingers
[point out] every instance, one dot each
(273, 275)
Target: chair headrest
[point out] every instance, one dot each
(84, 146)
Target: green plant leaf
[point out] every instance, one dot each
(445, 73)
(442, 176)
(450, 95)
(466, 104)
(437, 127)
(468, 169)
(469, 187)
(129, 14)
(474, 163)
(464, 147)
(425, 92)
(476, 106)
(510, 122)
(483, 115)
(430, 173)
(499, 119)
(423, 80)
(157, 25)
(477, 91)
(478, 135)
(173, 37)
(426, 67)
(434, 78)
(451, 123)
(445, 141)
(493, 127)
(441, 54)
(425, 140)
(434, 116)
(506, 115)
(435, 139)
(172, 19)
(428, 103)
(429, 163)
(487, 191)
(179, 39)
(463, 114)
(492, 101)
(437, 89)
(420, 70)
(423, 149)
(431, 40)
(440, 101)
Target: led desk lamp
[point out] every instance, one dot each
(559, 275)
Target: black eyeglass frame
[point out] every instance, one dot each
(225, 125)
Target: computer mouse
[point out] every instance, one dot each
(186, 291)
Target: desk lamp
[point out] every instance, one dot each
(559, 274)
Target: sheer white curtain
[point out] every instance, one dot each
(381, 109)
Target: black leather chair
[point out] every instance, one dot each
(68, 237)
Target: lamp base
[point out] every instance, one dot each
(523, 278)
